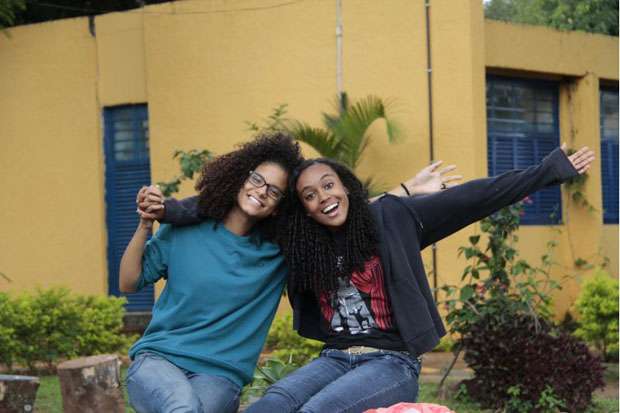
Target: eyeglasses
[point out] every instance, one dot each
(258, 181)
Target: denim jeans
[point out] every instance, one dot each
(155, 385)
(339, 382)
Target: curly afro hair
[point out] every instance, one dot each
(221, 179)
(310, 249)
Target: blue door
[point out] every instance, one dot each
(127, 168)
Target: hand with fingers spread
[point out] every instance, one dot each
(432, 179)
(150, 202)
(581, 160)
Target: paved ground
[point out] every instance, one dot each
(434, 365)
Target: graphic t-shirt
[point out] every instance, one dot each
(358, 313)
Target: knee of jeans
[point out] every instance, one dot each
(284, 396)
(162, 398)
(178, 400)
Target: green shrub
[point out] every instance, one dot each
(268, 372)
(8, 341)
(446, 344)
(598, 307)
(49, 325)
(287, 344)
(100, 324)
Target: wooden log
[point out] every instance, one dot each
(91, 385)
(17, 393)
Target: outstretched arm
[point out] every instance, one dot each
(429, 180)
(152, 205)
(446, 212)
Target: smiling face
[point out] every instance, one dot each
(255, 201)
(323, 195)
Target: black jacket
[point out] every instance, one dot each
(406, 226)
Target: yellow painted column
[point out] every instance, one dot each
(459, 108)
(579, 123)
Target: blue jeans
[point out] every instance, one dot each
(339, 382)
(155, 385)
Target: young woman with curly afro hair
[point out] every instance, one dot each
(224, 276)
(357, 281)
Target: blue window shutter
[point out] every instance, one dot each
(127, 168)
(609, 153)
(523, 127)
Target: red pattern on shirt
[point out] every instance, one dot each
(370, 281)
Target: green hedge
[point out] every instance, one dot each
(597, 305)
(49, 325)
(288, 346)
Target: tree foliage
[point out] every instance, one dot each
(9, 10)
(36, 11)
(594, 16)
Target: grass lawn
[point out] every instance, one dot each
(49, 399)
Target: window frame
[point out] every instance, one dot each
(546, 208)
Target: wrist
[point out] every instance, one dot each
(407, 191)
(145, 225)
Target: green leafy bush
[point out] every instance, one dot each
(598, 307)
(502, 312)
(446, 344)
(8, 341)
(49, 325)
(268, 372)
(286, 344)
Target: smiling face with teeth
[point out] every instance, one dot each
(254, 202)
(323, 195)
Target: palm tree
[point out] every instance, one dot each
(345, 134)
(343, 138)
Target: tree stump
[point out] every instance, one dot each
(17, 393)
(91, 385)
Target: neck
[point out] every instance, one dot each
(238, 222)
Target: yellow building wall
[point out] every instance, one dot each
(540, 49)
(207, 67)
(120, 59)
(532, 51)
(208, 73)
(51, 161)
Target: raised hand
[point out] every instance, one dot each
(582, 159)
(150, 202)
(433, 179)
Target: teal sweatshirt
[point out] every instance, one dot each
(221, 295)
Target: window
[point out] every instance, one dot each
(522, 125)
(609, 154)
(126, 147)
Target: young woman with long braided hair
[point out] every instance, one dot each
(357, 281)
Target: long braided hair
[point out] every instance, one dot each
(310, 249)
